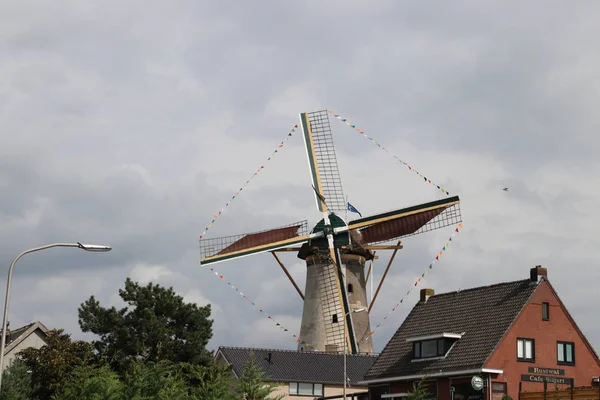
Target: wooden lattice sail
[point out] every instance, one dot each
(335, 251)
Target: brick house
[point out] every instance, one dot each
(513, 336)
(309, 375)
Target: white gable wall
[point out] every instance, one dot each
(35, 339)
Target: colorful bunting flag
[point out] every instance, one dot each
(363, 134)
(425, 272)
(278, 324)
(257, 172)
(222, 210)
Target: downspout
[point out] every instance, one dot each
(490, 387)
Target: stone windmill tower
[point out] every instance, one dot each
(335, 251)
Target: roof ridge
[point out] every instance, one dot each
(479, 287)
(440, 315)
(517, 315)
(570, 317)
(297, 351)
(22, 327)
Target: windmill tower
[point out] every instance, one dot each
(335, 251)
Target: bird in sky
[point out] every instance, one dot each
(505, 189)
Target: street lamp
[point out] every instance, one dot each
(86, 247)
(345, 372)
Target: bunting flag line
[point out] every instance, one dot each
(279, 325)
(425, 272)
(363, 134)
(222, 210)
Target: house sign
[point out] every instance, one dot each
(548, 379)
(477, 382)
(546, 371)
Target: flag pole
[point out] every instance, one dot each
(346, 220)
(346, 216)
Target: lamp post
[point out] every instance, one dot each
(86, 247)
(345, 341)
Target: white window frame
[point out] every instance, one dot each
(522, 349)
(564, 345)
(317, 389)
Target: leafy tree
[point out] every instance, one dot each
(51, 365)
(16, 382)
(419, 391)
(252, 386)
(207, 382)
(148, 381)
(93, 383)
(506, 397)
(155, 381)
(156, 325)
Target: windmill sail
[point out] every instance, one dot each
(407, 221)
(230, 247)
(322, 161)
(335, 251)
(329, 195)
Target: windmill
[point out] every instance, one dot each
(335, 251)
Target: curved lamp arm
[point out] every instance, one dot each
(86, 247)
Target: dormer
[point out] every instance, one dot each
(432, 347)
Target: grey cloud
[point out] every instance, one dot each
(116, 118)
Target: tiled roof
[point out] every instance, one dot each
(297, 366)
(483, 314)
(16, 336)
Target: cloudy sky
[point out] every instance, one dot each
(132, 123)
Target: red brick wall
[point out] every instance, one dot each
(529, 324)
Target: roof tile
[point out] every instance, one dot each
(484, 314)
(297, 366)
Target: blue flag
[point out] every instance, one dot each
(353, 209)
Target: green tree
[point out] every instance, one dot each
(252, 385)
(419, 391)
(92, 383)
(51, 365)
(207, 382)
(156, 325)
(147, 381)
(16, 382)
(155, 381)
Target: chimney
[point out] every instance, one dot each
(426, 294)
(536, 274)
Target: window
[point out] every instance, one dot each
(545, 311)
(498, 390)
(525, 350)
(499, 387)
(334, 319)
(565, 352)
(350, 288)
(429, 348)
(417, 350)
(306, 389)
(432, 348)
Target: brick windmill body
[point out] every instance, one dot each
(335, 251)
